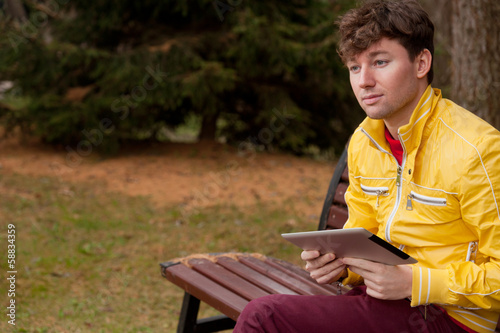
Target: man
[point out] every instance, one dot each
(424, 175)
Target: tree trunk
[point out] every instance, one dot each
(440, 13)
(476, 57)
(208, 127)
(15, 9)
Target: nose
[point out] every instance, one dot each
(366, 78)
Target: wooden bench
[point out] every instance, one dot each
(228, 281)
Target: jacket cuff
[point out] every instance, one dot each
(429, 286)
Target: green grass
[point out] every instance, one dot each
(89, 262)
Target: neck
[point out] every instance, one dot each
(402, 117)
(393, 130)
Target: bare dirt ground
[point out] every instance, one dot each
(192, 176)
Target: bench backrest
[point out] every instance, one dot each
(334, 213)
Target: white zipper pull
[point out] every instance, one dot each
(379, 193)
(409, 205)
(472, 251)
(398, 178)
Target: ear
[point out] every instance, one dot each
(423, 62)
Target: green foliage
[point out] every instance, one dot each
(125, 70)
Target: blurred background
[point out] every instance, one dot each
(134, 132)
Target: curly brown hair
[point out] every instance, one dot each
(406, 21)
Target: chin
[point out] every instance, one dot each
(375, 115)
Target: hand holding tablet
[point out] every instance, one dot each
(354, 243)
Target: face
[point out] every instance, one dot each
(386, 83)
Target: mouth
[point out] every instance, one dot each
(371, 99)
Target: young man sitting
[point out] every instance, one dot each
(424, 175)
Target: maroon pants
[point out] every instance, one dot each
(353, 312)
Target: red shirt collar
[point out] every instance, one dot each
(396, 147)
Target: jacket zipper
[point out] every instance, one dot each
(398, 181)
(378, 191)
(423, 199)
(399, 187)
(471, 252)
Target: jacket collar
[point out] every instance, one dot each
(411, 133)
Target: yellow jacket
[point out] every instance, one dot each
(441, 206)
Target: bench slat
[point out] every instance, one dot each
(305, 278)
(287, 278)
(228, 279)
(337, 216)
(345, 175)
(339, 194)
(254, 277)
(201, 287)
(299, 271)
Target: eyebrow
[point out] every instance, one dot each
(372, 54)
(377, 53)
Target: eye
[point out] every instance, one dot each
(380, 63)
(354, 68)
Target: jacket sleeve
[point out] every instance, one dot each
(361, 214)
(471, 284)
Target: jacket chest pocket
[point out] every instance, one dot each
(432, 216)
(375, 191)
(423, 199)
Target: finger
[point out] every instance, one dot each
(366, 270)
(380, 291)
(365, 274)
(329, 273)
(333, 266)
(366, 265)
(375, 294)
(319, 261)
(309, 255)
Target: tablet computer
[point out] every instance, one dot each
(353, 243)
